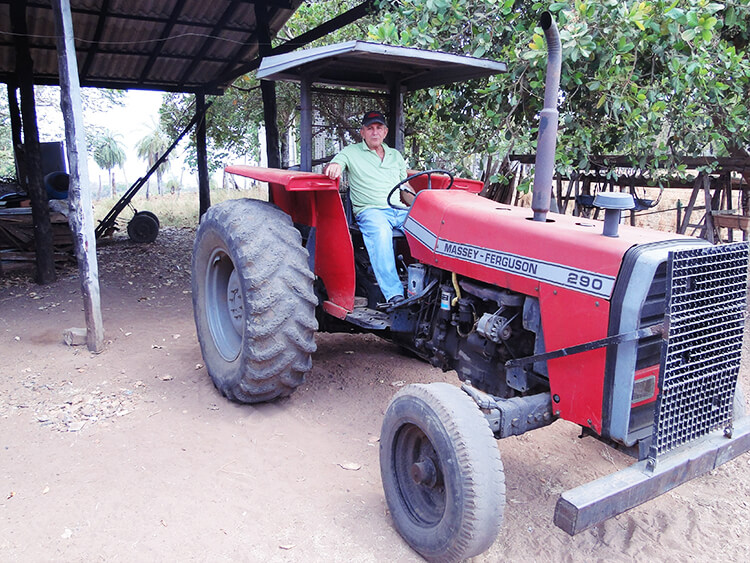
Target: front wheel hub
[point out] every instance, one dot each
(424, 473)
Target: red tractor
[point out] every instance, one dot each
(633, 334)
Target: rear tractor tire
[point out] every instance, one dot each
(442, 474)
(253, 301)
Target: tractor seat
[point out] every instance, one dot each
(351, 221)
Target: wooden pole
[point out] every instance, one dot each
(682, 227)
(267, 88)
(305, 124)
(708, 226)
(396, 115)
(81, 215)
(15, 127)
(268, 92)
(45, 264)
(204, 187)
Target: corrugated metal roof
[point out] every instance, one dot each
(171, 45)
(373, 66)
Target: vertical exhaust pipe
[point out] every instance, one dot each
(544, 165)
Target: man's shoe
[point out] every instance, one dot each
(391, 303)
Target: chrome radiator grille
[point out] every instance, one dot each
(652, 313)
(705, 318)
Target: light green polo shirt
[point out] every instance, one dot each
(370, 179)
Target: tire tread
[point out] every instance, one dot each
(482, 480)
(278, 299)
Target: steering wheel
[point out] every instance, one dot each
(428, 173)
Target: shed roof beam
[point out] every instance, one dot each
(225, 17)
(359, 11)
(165, 33)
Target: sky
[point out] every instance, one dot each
(133, 121)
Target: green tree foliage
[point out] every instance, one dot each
(652, 80)
(151, 148)
(232, 120)
(645, 79)
(108, 153)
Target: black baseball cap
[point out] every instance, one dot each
(373, 117)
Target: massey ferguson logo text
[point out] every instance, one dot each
(564, 276)
(506, 262)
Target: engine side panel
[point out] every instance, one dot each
(576, 382)
(566, 263)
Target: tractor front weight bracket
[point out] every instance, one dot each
(515, 416)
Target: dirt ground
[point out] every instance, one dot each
(132, 455)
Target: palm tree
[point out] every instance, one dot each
(150, 148)
(108, 153)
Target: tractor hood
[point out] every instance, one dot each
(502, 245)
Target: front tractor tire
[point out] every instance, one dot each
(253, 301)
(442, 474)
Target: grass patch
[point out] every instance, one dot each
(173, 210)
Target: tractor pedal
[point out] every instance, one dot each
(360, 302)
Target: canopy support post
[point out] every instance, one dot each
(267, 88)
(81, 215)
(204, 187)
(45, 264)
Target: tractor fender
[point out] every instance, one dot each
(313, 200)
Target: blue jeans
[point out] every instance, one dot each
(377, 227)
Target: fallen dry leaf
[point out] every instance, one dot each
(349, 466)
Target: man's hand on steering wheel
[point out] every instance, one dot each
(408, 193)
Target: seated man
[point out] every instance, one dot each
(374, 168)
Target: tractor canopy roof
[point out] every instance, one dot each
(372, 66)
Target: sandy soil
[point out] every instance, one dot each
(132, 455)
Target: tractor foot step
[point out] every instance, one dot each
(369, 319)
